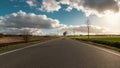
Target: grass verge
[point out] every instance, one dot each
(110, 45)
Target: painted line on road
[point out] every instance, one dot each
(108, 51)
(103, 49)
(17, 49)
(25, 47)
(100, 48)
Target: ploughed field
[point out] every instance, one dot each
(11, 40)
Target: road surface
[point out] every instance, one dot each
(61, 53)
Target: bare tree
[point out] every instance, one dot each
(88, 27)
(26, 35)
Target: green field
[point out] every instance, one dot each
(112, 42)
(102, 38)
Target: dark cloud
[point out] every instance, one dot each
(101, 5)
(87, 6)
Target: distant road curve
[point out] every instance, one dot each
(61, 53)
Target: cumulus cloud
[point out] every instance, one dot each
(15, 22)
(83, 29)
(97, 7)
(101, 5)
(111, 22)
(31, 20)
(68, 9)
(50, 5)
(32, 31)
(17, 31)
(31, 3)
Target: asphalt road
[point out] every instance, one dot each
(61, 53)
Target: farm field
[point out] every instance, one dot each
(8, 43)
(102, 38)
(112, 42)
(10, 40)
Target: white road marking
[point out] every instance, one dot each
(54, 39)
(17, 49)
(24, 47)
(104, 49)
(100, 48)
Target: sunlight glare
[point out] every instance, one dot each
(112, 19)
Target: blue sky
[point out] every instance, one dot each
(73, 17)
(68, 15)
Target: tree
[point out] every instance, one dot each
(65, 33)
(26, 35)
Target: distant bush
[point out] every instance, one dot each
(1, 35)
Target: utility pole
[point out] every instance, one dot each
(88, 28)
(73, 32)
(57, 32)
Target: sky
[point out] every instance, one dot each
(51, 16)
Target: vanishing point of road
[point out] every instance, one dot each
(61, 53)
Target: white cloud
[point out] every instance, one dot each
(68, 9)
(96, 7)
(32, 31)
(31, 3)
(17, 31)
(15, 22)
(50, 5)
(110, 21)
(82, 29)
(31, 20)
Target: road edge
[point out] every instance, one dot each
(18, 49)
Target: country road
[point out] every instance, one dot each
(61, 53)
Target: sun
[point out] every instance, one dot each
(112, 19)
(111, 22)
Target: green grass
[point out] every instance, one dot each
(16, 46)
(103, 38)
(112, 42)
